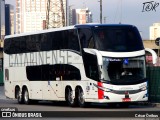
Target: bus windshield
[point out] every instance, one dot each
(124, 70)
(117, 38)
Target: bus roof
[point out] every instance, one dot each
(65, 28)
(98, 24)
(39, 32)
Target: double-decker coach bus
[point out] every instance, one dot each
(90, 63)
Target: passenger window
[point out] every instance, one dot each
(46, 42)
(73, 42)
(52, 72)
(6, 74)
(33, 43)
(66, 39)
(22, 45)
(86, 38)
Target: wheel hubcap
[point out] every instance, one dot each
(19, 96)
(70, 96)
(81, 97)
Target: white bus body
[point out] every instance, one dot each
(56, 64)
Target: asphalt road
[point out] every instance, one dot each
(60, 106)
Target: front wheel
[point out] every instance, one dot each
(81, 98)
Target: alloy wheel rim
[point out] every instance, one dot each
(70, 98)
(81, 97)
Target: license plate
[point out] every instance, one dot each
(126, 99)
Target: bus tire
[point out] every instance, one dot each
(81, 99)
(69, 99)
(19, 96)
(26, 96)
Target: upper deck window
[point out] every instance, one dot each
(117, 38)
(56, 40)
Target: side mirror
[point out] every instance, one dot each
(153, 53)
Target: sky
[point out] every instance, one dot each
(121, 11)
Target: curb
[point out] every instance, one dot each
(156, 104)
(149, 104)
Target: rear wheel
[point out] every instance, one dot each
(26, 97)
(81, 98)
(69, 97)
(19, 96)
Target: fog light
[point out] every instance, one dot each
(106, 97)
(146, 95)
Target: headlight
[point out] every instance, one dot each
(144, 88)
(107, 90)
(102, 88)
